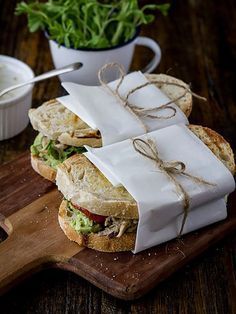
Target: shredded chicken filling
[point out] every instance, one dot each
(116, 227)
(112, 226)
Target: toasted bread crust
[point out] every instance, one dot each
(217, 144)
(94, 241)
(82, 183)
(171, 91)
(43, 169)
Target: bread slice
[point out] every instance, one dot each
(84, 185)
(93, 240)
(56, 122)
(43, 169)
(217, 144)
(173, 92)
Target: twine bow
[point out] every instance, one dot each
(149, 150)
(140, 112)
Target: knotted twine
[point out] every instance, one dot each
(140, 112)
(149, 150)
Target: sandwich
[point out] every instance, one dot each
(62, 133)
(96, 214)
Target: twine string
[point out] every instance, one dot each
(149, 150)
(115, 92)
(140, 112)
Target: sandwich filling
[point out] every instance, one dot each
(53, 152)
(85, 222)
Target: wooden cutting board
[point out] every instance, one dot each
(36, 241)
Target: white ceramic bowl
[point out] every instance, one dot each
(14, 106)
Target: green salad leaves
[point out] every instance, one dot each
(88, 23)
(50, 153)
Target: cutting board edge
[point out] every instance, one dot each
(132, 292)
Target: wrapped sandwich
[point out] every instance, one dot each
(62, 133)
(104, 217)
(131, 105)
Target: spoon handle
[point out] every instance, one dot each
(44, 76)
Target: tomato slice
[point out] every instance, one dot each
(97, 218)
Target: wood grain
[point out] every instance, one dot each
(198, 45)
(35, 240)
(34, 230)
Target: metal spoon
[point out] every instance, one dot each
(44, 76)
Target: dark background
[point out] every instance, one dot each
(198, 42)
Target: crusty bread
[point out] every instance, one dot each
(43, 169)
(56, 122)
(95, 241)
(82, 183)
(173, 92)
(217, 144)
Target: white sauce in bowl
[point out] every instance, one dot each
(15, 105)
(11, 74)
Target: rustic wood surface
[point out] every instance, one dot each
(31, 224)
(198, 45)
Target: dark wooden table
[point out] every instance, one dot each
(199, 46)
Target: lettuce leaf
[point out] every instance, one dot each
(50, 153)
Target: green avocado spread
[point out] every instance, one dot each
(53, 152)
(81, 223)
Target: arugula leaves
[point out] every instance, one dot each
(88, 23)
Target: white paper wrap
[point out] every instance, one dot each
(160, 208)
(101, 110)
